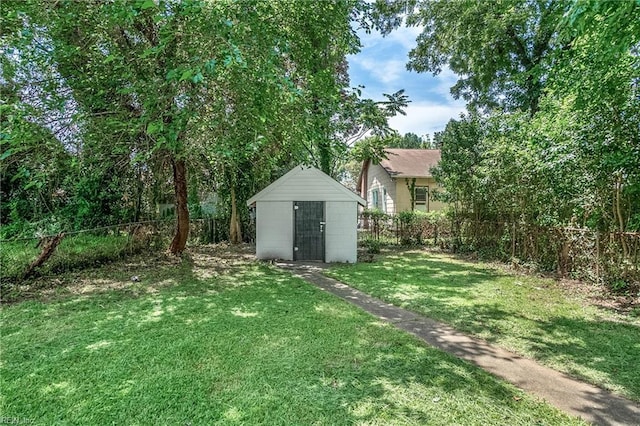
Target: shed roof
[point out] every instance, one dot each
(306, 183)
(410, 163)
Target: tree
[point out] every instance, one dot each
(604, 104)
(502, 51)
(137, 72)
(137, 94)
(461, 149)
(408, 141)
(137, 63)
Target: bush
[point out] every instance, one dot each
(378, 221)
(74, 252)
(417, 227)
(372, 245)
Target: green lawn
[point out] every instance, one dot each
(526, 314)
(193, 344)
(74, 251)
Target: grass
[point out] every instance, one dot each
(529, 315)
(74, 252)
(209, 341)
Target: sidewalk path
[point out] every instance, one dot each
(580, 399)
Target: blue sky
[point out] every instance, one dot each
(381, 68)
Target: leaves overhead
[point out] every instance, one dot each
(501, 50)
(136, 96)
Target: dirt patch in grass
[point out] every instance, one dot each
(138, 274)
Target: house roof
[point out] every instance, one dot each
(306, 183)
(410, 163)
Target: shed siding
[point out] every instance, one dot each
(307, 187)
(274, 230)
(379, 179)
(341, 231)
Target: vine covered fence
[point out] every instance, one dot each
(612, 258)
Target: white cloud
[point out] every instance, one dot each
(445, 80)
(405, 37)
(426, 117)
(384, 71)
(381, 67)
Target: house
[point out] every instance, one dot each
(399, 180)
(306, 215)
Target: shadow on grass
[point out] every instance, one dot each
(524, 314)
(610, 349)
(241, 344)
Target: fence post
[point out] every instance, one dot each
(435, 239)
(513, 241)
(597, 256)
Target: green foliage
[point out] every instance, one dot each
(415, 226)
(126, 91)
(75, 252)
(15, 257)
(369, 148)
(575, 162)
(548, 147)
(362, 117)
(372, 245)
(408, 141)
(375, 214)
(377, 224)
(500, 50)
(373, 147)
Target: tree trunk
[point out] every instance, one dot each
(363, 188)
(139, 192)
(324, 148)
(618, 214)
(48, 247)
(182, 226)
(235, 233)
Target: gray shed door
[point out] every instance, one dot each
(308, 242)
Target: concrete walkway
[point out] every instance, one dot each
(577, 398)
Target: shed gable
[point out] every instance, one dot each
(304, 183)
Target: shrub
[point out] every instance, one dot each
(372, 245)
(377, 221)
(417, 227)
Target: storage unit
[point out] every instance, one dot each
(306, 215)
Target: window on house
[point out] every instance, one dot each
(375, 199)
(421, 197)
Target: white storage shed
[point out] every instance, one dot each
(306, 215)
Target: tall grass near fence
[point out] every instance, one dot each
(612, 258)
